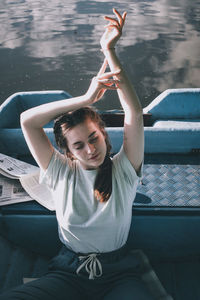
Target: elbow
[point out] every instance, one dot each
(25, 120)
(138, 118)
(22, 119)
(137, 113)
(138, 109)
(133, 116)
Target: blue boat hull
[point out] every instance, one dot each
(167, 232)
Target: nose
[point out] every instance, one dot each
(90, 148)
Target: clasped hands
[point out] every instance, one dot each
(104, 81)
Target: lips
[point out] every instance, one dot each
(94, 157)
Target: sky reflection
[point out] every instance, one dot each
(55, 45)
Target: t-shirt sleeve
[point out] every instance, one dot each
(124, 167)
(56, 169)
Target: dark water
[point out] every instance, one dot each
(54, 44)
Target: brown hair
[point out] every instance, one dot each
(103, 182)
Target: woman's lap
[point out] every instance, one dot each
(129, 289)
(121, 279)
(53, 286)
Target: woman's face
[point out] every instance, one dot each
(87, 143)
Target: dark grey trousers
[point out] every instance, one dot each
(125, 275)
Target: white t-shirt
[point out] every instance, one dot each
(85, 224)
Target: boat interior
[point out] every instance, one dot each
(166, 210)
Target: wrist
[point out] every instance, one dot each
(107, 49)
(87, 99)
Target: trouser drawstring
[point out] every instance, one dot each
(91, 264)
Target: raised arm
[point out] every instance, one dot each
(33, 120)
(133, 122)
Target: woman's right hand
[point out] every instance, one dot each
(100, 83)
(113, 30)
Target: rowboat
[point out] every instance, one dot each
(166, 210)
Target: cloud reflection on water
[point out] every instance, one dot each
(160, 44)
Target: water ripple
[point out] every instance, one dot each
(55, 45)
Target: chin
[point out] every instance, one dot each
(102, 161)
(98, 163)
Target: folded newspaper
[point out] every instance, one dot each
(19, 182)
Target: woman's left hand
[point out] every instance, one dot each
(102, 82)
(113, 30)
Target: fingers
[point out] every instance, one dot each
(124, 16)
(108, 74)
(110, 84)
(109, 26)
(109, 87)
(112, 20)
(120, 19)
(109, 81)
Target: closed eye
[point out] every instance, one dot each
(93, 140)
(78, 146)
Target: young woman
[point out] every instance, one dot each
(93, 193)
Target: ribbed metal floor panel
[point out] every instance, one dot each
(169, 185)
